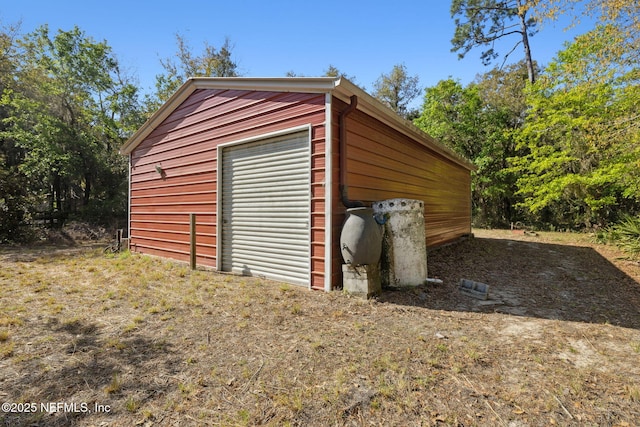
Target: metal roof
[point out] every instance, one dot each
(341, 88)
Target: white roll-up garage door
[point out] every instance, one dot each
(266, 208)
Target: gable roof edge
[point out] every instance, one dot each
(339, 87)
(156, 118)
(374, 108)
(279, 84)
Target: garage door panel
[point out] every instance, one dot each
(271, 163)
(258, 196)
(289, 216)
(271, 178)
(269, 229)
(287, 260)
(264, 243)
(265, 208)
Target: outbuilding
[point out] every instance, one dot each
(267, 166)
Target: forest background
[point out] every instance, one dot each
(557, 145)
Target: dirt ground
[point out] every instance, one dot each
(91, 339)
(552, 276)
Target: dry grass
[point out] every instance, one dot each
(158, 344)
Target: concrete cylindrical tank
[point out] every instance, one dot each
(404, 251)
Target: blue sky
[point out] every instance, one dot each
(362, 38)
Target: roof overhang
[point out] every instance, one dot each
(341, 88)
(376, 109)
(282, 84)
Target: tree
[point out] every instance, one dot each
(503, 113)
(397, 89)
(451, 114)
(332, 71)
(13, 184)
(623, 15)
(582, 137)
(480, 23)
(480, 121)
(13, 202)
(186, 63)
(69, 109)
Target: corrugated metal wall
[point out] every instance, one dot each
(184, 146)
(384, 164)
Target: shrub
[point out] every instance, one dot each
(626, 235)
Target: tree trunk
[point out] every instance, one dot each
(87, 188)
(527, 49)
(57, 190)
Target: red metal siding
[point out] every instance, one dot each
(383, 164)
(185, 145)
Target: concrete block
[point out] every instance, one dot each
(474, 289)
(361, 280)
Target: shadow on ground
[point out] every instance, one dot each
(90, 369)
(528, 278)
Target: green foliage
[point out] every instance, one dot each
(185, 63)
(625, 234)
(582, 138)
(450, 114)
(13, 194)
(397, 89)
(479, 122)
(619, 14)
(67, 110)
(13, 203)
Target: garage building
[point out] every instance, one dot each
(266, 164)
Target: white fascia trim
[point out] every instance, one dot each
(274, 84)
(328, 194)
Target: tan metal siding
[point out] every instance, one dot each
(382, 163)
(185, 146)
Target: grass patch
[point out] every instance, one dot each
(6, 349)
(10, 321)
(159, 343)
(114, 386)
(131, 405)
